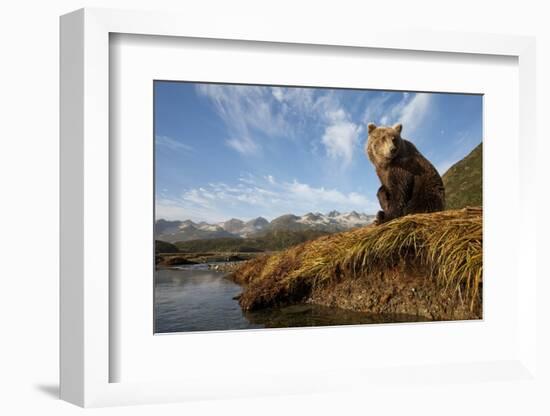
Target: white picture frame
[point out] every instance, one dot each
(85, 353)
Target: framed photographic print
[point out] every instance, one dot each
(298, 203)
(271, 189)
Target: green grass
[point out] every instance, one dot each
(463, 181)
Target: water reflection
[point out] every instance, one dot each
(317, 315)
(198, 299)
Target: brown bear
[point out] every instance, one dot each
(410, 183)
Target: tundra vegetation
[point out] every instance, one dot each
(429, 265)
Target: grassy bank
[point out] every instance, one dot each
(429, 265)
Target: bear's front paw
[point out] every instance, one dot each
(380, 217)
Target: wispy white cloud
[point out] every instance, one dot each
(411, 110)
(340, 140)
(414, 111)
(376, 109)
(172, 144)
(247, 111)
(253, 113)
(341, 134)
(243, 144)
(253, 196)
(295, 100)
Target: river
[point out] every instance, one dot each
(196, 298)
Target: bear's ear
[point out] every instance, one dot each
(398, 127)
(371, 127)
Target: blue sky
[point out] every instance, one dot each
(236, 151)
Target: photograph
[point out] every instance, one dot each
(302, 206)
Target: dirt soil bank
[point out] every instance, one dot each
(396, 292)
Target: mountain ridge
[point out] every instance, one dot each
(187, 230)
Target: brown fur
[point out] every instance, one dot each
(410, 183)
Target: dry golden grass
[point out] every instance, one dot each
(446, 246)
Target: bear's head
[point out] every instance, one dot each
(383, 143)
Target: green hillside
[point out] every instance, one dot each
(270, 241)
(463, 181)
(164, 247)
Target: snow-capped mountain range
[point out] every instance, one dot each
(172, 231)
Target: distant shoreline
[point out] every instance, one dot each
(178, 259)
